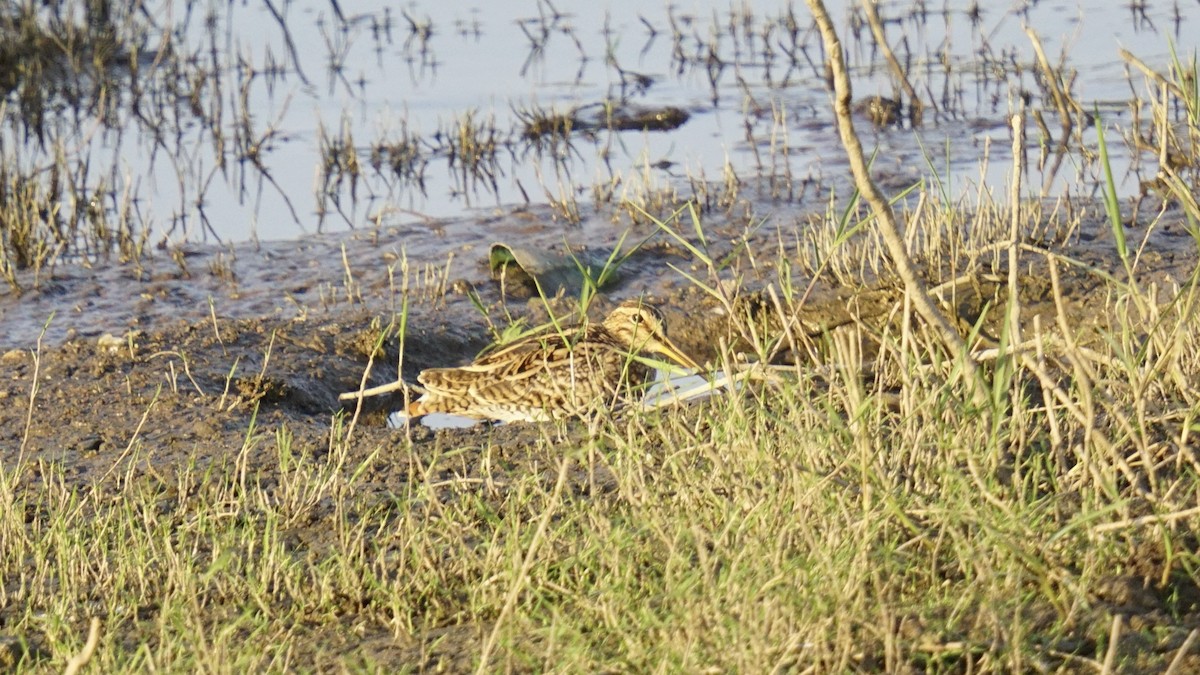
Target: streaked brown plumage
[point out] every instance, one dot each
(553, 375)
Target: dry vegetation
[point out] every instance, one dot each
(869, 506)
(854, 511)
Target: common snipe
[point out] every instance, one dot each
(554, 374)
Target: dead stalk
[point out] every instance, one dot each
(1177, 662)
(914, 286)
(917, 105)
(81, 659)
(1014, 232)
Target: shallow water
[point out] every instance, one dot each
(313, 77)
(364, 76)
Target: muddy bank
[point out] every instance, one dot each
(209, 334)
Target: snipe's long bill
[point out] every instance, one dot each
(555, 374)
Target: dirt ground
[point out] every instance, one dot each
(130, 374)
(196, 363)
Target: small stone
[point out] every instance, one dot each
(13, 356)
(109, 343)
(113, 345)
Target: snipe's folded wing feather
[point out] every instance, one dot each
(523, 360)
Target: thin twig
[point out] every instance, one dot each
(373, 391)
(916, 104)
(80, 660)
(1014, 232)
(1152, 519)
(33, 389)
(1114, 638)
(1177, 662)
(1150, 72)
(914, 286)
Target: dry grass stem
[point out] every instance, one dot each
(888, 227)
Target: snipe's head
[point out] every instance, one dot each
(642, 329)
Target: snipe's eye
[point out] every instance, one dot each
(637, 318)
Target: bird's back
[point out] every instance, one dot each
(539, 378)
